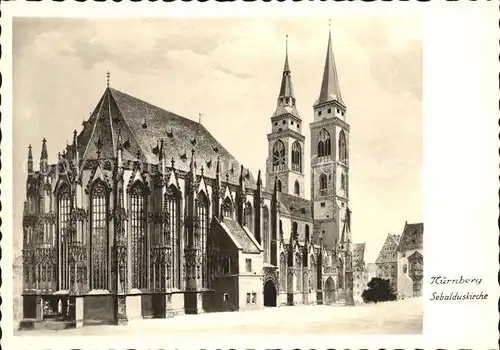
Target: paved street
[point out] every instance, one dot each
(400, 317)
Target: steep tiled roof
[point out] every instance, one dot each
(142, 125)
(412, 237)
(388, 251)
(241, 236)
(295, 206)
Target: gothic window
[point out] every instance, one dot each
(342, 147)
(324, 144)
(282, 272)
(227, 208)
(249, 217)
(323, 182)
(99, 236)
(281, 226)
(279, 156)
(342, 182)
(296, 188)
(307, 233)
(138, 236)
(64, 212)
(265, 233)
(202, 213)
(405, 268)
(32, 205)
(294, 228)
(172, 200)
(279, 185)
(296, 157)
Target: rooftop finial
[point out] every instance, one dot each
(199, 118)
(286, 48)
(108, 75)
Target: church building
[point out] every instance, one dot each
(146, 215)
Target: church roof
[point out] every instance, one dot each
(412, 237)
(241, 236)
(142, 125)
(330, 88)
(295, 206)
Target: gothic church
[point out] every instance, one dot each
(147, 215)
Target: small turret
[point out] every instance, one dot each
(30, 160)
(44, 158)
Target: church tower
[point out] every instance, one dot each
(286, 142)
(329, 156)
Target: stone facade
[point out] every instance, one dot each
(386, 261)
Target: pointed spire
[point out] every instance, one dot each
(108, 76)
(286, 89)
(259, 180)
(330, 88)
(119, 140)
(44, 154)
(242, 178)
(30, 160)
(192, 168)
(172, 162)
(217, 167)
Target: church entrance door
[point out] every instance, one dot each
(329, 291)
(269, 293)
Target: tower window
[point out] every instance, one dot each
(296, 157)
(319, 113)
(342, 147)
(329, 110)
(338, 110)
(322, 182)
(342, 182)
(275, 123)
(284, 121)
(279, 156)
(291, 122)
(297, 188)
(322, 204)
(324, 144)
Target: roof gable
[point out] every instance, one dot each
(412, 237)
(240, 236)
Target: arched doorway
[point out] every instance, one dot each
(269, 294)
(329, 291)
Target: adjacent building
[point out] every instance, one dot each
(359, 270)
(386, 261)
(146, 214)
(410, 261)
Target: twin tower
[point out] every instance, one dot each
(329, 140)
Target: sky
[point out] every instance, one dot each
(229, 70)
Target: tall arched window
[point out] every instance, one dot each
(279, 185)
(282, 272)
(138, 236)
(296, 157)
(294, 227)
(99, 236)
(281, 227)
(64, 208)
(172, 198)
(296, 188)
(227, 208)
(324, 144)
(307, 233)
(342, 147)
(279, 156)
(248, 217)
(342, 182)
(202, 213)
(323, 182)
(265, 233)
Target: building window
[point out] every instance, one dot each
(291, 122)
(265, 233)
(279, 156)
(342, 182)
(281, 226)
(342, 147)
(225, 265)
(99, 237)
(248, 265)
(64, 212)
(248, 218)
(279, 185)
(248, 298)
(173, 237)
(329, 110)
(227, 208)
(307, 233)
(294, 227)
(296, 188)
(405, 268)
(322, 204)
(319, 113)
(296, 157)
(284, 122)
(323, 182)
(275, 123)
(138, 236)
(324, 144)
(254, 298)
(202, 213)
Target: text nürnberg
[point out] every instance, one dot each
(453, 295)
